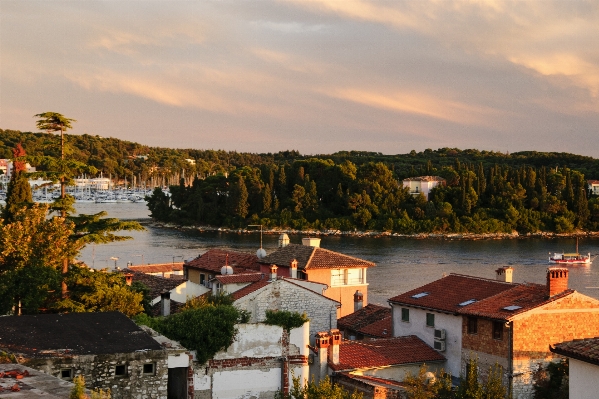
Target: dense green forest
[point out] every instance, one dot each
(486, 191)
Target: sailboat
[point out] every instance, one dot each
(574, 258)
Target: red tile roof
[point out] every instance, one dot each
(239, 278)
(156, 284)
(586, 350)
(214, 259)
(371, 320)
(312, 258)
(447, 293)
(425, 178)
(158, 268)
(384, 352)
(374, 381)
(249, 289)
(523, 296)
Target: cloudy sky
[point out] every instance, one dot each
(317, 76)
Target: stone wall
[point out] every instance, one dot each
(99, 372)
(369, 391)
(283, 295)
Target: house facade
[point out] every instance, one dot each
(583, 370)
(593, 186)
(497, 322)
(422, 184)
(342, 274)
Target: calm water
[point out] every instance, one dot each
(402, 264)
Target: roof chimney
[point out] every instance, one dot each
(294, 268)
(128, 278)
(557, 280)
(273, 273)
(323, 340)
(335, 341)
(505, 274)
(165, 303)
(283, 240)
(358, 300)
(311, 242)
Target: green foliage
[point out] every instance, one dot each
(552, 382)
(99, 291)
(205, 326)
(286, 319)
(18, 193)
(325, 389)
(78, 390)
(428, 385)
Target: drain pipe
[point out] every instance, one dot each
(510, 363)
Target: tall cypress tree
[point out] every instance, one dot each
(18, 193)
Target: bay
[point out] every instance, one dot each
(401, 264)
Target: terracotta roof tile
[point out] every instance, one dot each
(447, 293)
(239, 278)
(158, 268)
(371, 320)
(384, 352)
(214, 259)
(156, 284)
(523, 296)
(586, 350)
(312, 258)
(249, 289)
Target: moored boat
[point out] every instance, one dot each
(574, 258)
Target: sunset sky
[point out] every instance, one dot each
(316, 76)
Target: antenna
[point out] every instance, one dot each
(261, 253)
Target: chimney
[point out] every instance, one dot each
(311, 242)
(283, 240)
(128, 278)
(294, 268)
(323, 340)
(557, 280)
(273, 273)
(165, 303)
(505, 274)
(358, 301)
(335, 341)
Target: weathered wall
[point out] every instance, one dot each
(367, 390)
(417, 326)
(283, 295)
(261, 360)
(99, 372)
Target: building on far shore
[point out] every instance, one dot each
(422, 184)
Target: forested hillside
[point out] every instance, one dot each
(485, 191)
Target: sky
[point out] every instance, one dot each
(317, 76)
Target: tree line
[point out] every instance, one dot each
(323, 194)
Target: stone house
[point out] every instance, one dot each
(376, 367)
(279, 293)
(342, 274)
(203, 269)
(583, 355)
(108, 349)
(497, 321)
(262, 360)
(423, 184)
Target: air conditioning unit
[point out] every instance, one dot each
(440, 346)
(440, 334)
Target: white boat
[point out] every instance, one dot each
(573, 258)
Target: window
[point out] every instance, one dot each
(66, 374)
(405, 314)
(355, 276)
(202, 278)
(430, 320)
(472, 325)
(149, 369)
(497, 330)
(120, 370)
(337, 277)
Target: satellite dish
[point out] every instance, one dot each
(226, 269)
(261, 253)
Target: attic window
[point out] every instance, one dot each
(420, 295)
(512, 307)
(66, 374)
(468, 302)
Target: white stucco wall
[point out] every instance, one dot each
(254, 340)
(238, 384)
(417, 326)
(183, 291)
(584, 380)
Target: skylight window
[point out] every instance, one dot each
(468, 302)
(512, 307)
(420, 295)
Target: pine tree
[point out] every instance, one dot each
(18, 194)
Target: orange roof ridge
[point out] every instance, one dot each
(344, 255)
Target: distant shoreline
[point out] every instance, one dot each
(381, 234)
